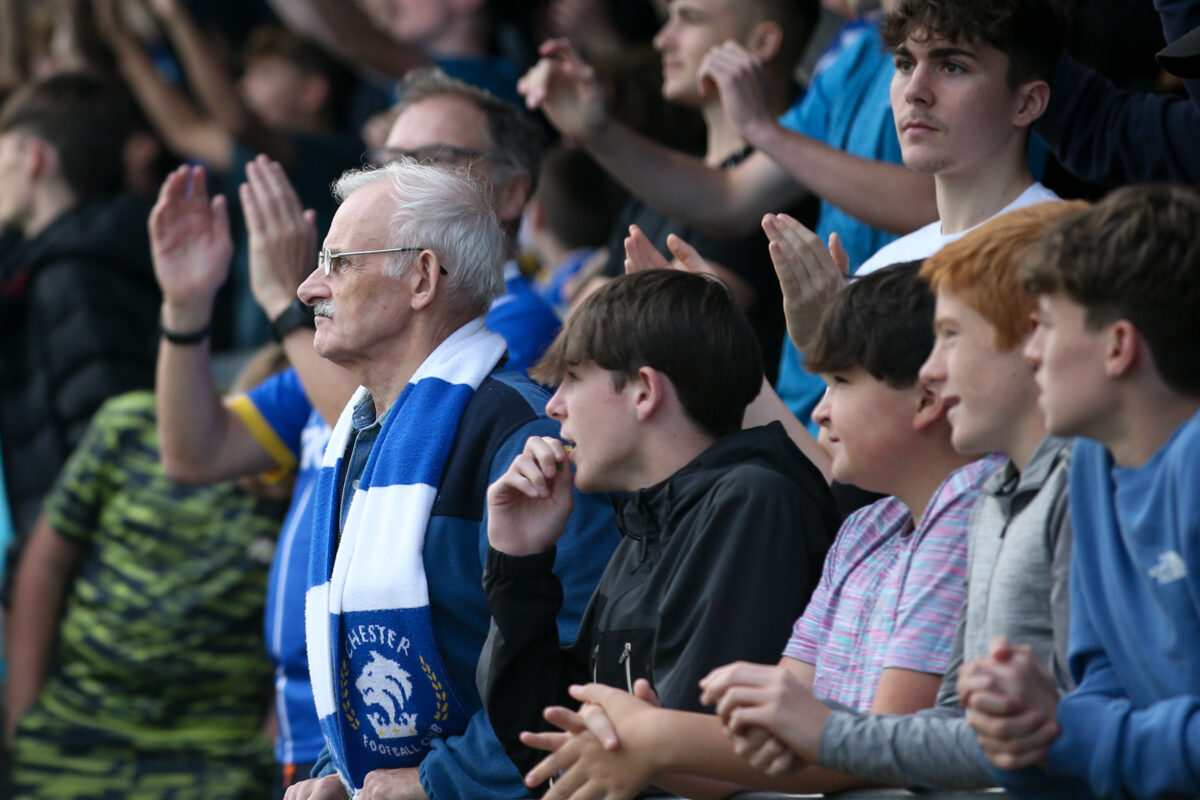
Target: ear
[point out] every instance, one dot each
(424, 279)
(1033, 97)
(930, 407)
(765, 40)
(314, 94)
(1123, 349)
(649, 391)
(511, 197)
(40, 159)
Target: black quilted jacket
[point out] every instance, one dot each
(78, 324)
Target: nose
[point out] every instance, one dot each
(1034, 347)
(917, 86)
(556, 406)
(314, 288)
(933, 371)
(662, 39)
(820, 414)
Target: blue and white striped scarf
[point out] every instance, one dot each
(381, 689)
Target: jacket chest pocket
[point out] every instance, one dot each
(619, 658)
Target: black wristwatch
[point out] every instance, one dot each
(294, 316)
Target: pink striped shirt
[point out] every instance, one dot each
(889, 596)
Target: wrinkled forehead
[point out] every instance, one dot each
(362, 222)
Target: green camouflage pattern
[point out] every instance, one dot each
(61, 760)
(160, 648)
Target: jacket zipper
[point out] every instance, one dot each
(625, 659)
(595, 662)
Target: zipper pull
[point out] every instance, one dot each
(595, 662)
(627, 661)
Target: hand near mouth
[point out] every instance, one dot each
(529, 504)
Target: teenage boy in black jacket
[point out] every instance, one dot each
(724, 531)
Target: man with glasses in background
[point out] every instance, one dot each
(445, 121)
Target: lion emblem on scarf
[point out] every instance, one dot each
(383, 683)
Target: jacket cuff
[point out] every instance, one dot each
(506, 566)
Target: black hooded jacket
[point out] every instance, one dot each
(715, 565)
(78, 315)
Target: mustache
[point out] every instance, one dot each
(323, 308)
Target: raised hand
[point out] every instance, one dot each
(769, 714)
(809, 273)
(191, 245)
(640, 253)
(565, 88)
(111, 25)
(283, 235)
(529, 504)
(740, 78)
(1012, 703)
(163, 9)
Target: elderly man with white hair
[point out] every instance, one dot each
(395, 611)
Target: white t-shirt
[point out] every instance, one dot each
(926, 241)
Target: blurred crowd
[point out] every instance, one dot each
(778, 394)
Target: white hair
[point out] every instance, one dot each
(448, 211)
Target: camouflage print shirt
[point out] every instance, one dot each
(161, 636)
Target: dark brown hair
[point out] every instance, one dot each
(882, 322)
(686, 326)
(87, 119)
(1032, 33)
(1135, 256)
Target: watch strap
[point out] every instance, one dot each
(294, 316)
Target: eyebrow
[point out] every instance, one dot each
(938, 52)
(952, 52)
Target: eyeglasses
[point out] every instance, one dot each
(326, 257)
(433, 154)
(430, 154)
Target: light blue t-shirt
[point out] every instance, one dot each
(848, 106)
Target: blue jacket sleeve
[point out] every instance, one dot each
(470, 765)
(323, 765)
(474, 764)
(1107, 747)
(1106, 135)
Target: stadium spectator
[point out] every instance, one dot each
(724, 530)
(152, 681)
(1118, 286)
